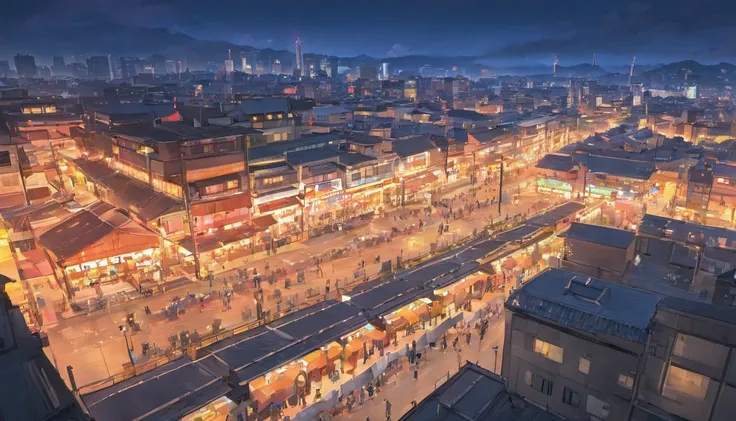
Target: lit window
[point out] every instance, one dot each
(291, 115)
(681, 382)
(626, 381)
(232, 184)
(584, 365)
(255, 118)
(280, 116)
(547, 350)
(269, 116)
(720, 180)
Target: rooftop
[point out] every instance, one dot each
(180, 132)
(587, 304)
(308, 156)
(413, 146)
(557, 162)
(597, 234)
(475, 394)
(620, 167)
(535, 121)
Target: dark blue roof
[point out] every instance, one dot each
(587, 304)
(475, 394)
(640, 170)
(310, 155)
(352, 159)
(600, 235)
(557, 162)
(413, 146)
(278, 149)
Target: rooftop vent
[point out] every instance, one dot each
(585, 290)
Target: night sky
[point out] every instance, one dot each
(528, 31)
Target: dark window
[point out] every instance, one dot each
(5, 159)
(539, 383)
(571, 397)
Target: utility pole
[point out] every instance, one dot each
(500, 188)
(188, 209)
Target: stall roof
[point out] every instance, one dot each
(320, 320)
(181, 382)
(556, 215)
(384, 293)
(481, 250)
(516, 234)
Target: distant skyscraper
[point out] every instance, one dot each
(229, 65)
(159, 64)
(299, 57)
(170, 67)
(692, 92)
(98, 67)
(4, 69)
(384, 71)
(58, 65)
(277, 66)
(25, 65)
(244, 64)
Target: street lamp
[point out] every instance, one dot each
(495, 358)
(128, 348)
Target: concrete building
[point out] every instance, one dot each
(573, 344)
(475, 394)
(598, 251)
(690, 369)
(32, 389)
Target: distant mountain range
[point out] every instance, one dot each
(119, 40)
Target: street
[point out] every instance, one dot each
(94, 345)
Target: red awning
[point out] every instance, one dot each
(274, 205)
(222, 205)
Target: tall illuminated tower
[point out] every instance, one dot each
(299, 58)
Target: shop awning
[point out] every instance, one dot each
(227, 204)
(410, 316)
(419, 182)
(375, 335)
(334, 350)
(275, 205)
(262, 222)
(315, 360)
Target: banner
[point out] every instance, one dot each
(379, 367)
(356, 382)
(313, 411)
(437, 332)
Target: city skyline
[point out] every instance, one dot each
(655, 30)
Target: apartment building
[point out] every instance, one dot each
(574, 343)
(689, 371)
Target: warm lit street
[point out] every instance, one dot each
(95, 347)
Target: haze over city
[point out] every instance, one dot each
(413, 211)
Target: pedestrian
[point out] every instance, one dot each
(327, 287)
(388, 409)
(467, 337)
(454, 343)
(361, 395)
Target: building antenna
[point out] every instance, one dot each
(554, 65)
(631, 73)
(593, 59)
(229, 56)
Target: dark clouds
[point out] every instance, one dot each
(530, 29)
